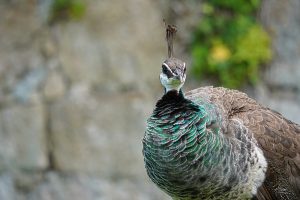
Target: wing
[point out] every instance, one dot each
(278, 137)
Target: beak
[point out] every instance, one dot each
(178, 77)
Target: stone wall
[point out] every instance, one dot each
(75, 95)
(280, 88)
(74, 98)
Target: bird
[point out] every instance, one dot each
(218, 143)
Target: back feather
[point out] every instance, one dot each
(278, 137)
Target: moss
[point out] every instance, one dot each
(229, 44)
(67, 9)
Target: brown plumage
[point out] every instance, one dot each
(278, 137)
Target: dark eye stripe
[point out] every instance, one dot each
(166, 71)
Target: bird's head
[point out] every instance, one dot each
(173, 74)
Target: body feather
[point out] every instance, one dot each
(278, 138)
(216, 143)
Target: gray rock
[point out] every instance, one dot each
(21, 64)
(23, 137)
(44, 10)
(54, 87)
(110, 48)
(26, 181)
(7, 190)
(78, 187)
(280, 89)
(20, 22)
(99, 133)
(81, 55)
(28, 84)
(281, 19)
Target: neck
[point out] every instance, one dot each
(175, 92)
(172, 96)
(173, 87)
(177, 129)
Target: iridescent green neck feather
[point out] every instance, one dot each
(186, 153)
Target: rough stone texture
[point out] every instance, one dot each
(60, 186)
(54, 87)
(110, 48)
(7, 190)
(74, 98)
(109, 63)
(23, 141)
(19, 47)
(99, 133)
(281, 19)
(280, 89)
(75, 87)
(78, 187)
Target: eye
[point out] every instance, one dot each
(166, 71)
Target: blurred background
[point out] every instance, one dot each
(78, 79)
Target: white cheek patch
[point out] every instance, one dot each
(163, 79)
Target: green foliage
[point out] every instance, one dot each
(229, 43)
(67, 9)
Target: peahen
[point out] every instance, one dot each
(217, 143)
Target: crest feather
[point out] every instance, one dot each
(170, 33)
